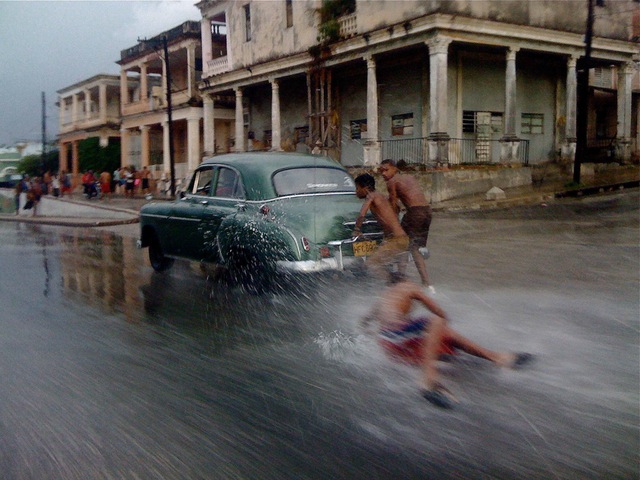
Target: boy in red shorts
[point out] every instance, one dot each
(426, 339)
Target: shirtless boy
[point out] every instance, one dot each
(417, 219)
(395, 241)
(395, 326)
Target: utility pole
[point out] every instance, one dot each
(169, 117)
(172, 168)
(582, 110)
(44, 136)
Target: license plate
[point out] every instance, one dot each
(361, 249)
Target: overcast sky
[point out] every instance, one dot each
(51, 44)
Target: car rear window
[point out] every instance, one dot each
(296, 181)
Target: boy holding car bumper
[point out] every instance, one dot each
(395, 241)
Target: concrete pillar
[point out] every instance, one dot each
(166, 154)
(75, 158)
(207, 47)
(371, 145)
(145, 153)
(74, 109)
(510, 143)
(87, 104)
(61, 113)
(510, 95)
(64, 157)
(275, 116)
(164, 79)
(240, 140)
(193, 143)
(124, 147)
(208, 121)
(144, 85)
(124, 90)
(438, 99)
(192, 88)
(568, 150)
(623, 132)
(102, 102)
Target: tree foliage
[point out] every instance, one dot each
(34, 166)
(94, 157)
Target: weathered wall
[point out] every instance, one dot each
(444, 185)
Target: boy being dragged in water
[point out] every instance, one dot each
(432, 336)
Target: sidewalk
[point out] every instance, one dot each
(78, 211)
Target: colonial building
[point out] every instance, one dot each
(429, 82)
(88, 109)
(146, 133)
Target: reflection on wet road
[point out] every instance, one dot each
(112, 371)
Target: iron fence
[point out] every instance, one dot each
(415, 151)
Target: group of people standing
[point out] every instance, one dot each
(57, 184)
(128, 180)
(131, 180)
(419, 339)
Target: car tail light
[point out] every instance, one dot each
(305, 244)
(325, 252)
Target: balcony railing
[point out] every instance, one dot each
(348, 25)
(217, 66)
(415, 151)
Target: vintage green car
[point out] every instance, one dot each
(260, 214)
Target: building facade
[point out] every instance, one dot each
(88, 109)
(146, 133)
(441, 81)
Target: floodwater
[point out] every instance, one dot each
(112, 371)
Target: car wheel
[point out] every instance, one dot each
(157, 258)
(247, 271)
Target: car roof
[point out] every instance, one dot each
(256, 168)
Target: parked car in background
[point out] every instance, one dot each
(261, 214)
(10, 181)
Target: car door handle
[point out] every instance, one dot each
(204, 202)
(241, 206)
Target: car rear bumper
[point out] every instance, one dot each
(322, 265)
(337, 261)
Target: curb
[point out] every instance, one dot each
(68, 222)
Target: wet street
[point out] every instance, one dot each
(112, 371)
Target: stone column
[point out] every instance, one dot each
(623, 133)
(164, 80)
(193, 144)
(371, 146)
(144, 145)
(569, 146)
(102, 102)
(192, 88)
(64, 157)
(275, 116)
(87, 104)
(240, 141)
(124, 89)
(438, 99)
(166, 154)
(509, 143)
(208, 122)
(124, 147)
(144, 86)
(61, 113)
(74, 109)
(75, 159)
(207, 47)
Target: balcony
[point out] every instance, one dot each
(348, 25)
(217, 66)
